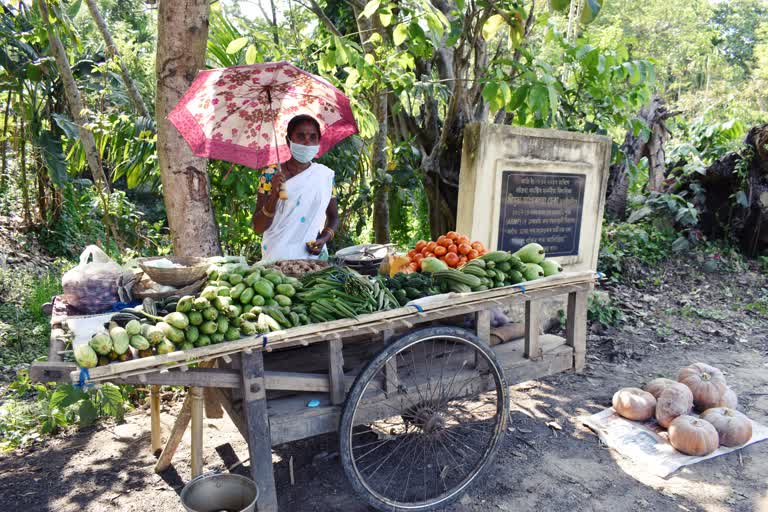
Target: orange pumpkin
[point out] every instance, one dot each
(674, 401)
(693, 436)
(656, 386)
(733, 428)
(634, 404)
(707, 384)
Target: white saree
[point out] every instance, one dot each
(299, 218)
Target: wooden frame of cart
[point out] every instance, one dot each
(268, 403)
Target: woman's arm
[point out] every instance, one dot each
(331, 224)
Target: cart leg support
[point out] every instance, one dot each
(182, 420)
(576, 328)
(197, 431)
(532, 347)
(154, 408)
(257, 420)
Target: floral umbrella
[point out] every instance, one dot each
(240, 114)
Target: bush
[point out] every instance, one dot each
(624, 246)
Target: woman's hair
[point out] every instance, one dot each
(294, 122)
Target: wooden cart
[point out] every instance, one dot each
(420, 403)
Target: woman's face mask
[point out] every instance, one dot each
(303, 153)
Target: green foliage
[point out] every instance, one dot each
(601, 309)
(24, 328)
(624, 246)
(33, 410)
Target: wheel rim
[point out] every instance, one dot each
(439, 433)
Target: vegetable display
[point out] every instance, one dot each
(242, 300)
(452, 248)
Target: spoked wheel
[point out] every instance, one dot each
(418, 440)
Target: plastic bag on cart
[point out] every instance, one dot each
(92, 286)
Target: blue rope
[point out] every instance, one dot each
(418, 308)
(521, 286)
(264, 341)
(600, 275)
(85, 376)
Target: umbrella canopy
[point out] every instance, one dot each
(240, 114)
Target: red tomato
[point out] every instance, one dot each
(431, 246)
(440, 239)
(440, 251)
(452, 235)
(478, 246)
(473, 254)
(464, 249)
(430, 255)
(418, 258)
(453, 248)
(452, 259)
(424, 251)
(411, 254)
(414, 266)
(420, 245)
(463, 260)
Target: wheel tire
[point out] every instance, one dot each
(375, 365)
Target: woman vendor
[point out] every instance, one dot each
(299, 226)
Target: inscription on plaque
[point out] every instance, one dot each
(541, 207)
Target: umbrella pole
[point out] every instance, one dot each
(283, 195)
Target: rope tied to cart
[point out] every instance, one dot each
(83, 379)
(520, 286)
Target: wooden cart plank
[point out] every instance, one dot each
(451, 306)
(259, 445)
(336, 371)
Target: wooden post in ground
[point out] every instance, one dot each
(154, 411)
(532, 349)
(197, 431)
(576, 328)
(259, 438)
(483, 331)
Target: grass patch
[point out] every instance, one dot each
(24, 328)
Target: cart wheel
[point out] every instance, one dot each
(418, 441)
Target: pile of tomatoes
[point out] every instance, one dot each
(453, 248)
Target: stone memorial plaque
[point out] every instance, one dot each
(541, 207)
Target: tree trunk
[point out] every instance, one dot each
(133, 91)
(4, 170)
(74, 101)
(736, 206)
(22, 140)
(181, 44)
(634, 148)
(379, 165)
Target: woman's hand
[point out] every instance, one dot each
(317, 247)
(277, 182)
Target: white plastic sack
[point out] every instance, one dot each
(91, 286)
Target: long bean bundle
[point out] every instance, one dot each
(339, 292)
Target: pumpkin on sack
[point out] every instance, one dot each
(733, 428)
(693, 436)
(656, 386)
(634, 404)
(729, 400)
(676, 400)
(707, 384)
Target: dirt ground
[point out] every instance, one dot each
(675, 315)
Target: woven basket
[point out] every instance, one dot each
(193, 270)
(140, 292)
